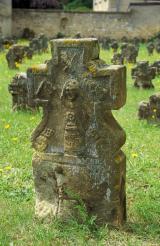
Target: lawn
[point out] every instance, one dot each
(18, 226)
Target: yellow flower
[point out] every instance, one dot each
(153, 117)
(8, 168)
(154, 110)
(134, 155)
(17, 64)
(15, 139)
(7, 126)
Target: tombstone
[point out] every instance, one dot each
(136, 41)
(123, 48)
(28, 33)
(43, 42)
(150, 110)
(37, 75)
(143, 75)
(18, 90)
(114, 46)
(24, 86)
(157, 46)
(35, 45)
(15, 56)
(78, 157)
(8, 42)
(124, 39)
(117, 59)
(39, 44)
(150, 48)
(131, 53)
(106, 43)
(156, 66)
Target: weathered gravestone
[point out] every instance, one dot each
(117, 59)
(24, 87)
(78, 143)
(157, 45)
(131, 53)
(150, 48)
(114, 46)
(143, 74)
(39, 44)
(16, 55)
(156, 66)
(18, 90)
(123, 48)
(106, 43)
(150, 110)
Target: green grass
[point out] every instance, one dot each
(17, 221)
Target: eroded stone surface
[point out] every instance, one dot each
(78, 142)
(114, 46)
(117, 59)
(39, 44)
(16, 54)
(131, 53)
(150, 110)
(156, 66)
(150, 48)
(24, 87)
(143, 74)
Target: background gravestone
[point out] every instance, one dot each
(150, 110)
(78, 143)
(25, 86)
(143, 74)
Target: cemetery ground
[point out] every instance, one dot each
(17, 222)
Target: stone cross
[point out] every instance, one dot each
(78, 156)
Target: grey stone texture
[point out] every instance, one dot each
(150, 110)
(78, 157)
(143, 74)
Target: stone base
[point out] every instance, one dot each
(65, 182)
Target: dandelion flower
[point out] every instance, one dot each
(8, 168)
(14, 139)
(134, 155)
(7, 126)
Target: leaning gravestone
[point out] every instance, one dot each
(150, 110)
(78, 143)
(143, 74)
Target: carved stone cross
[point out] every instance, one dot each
(78, 142)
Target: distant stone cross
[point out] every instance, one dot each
(78, 143)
